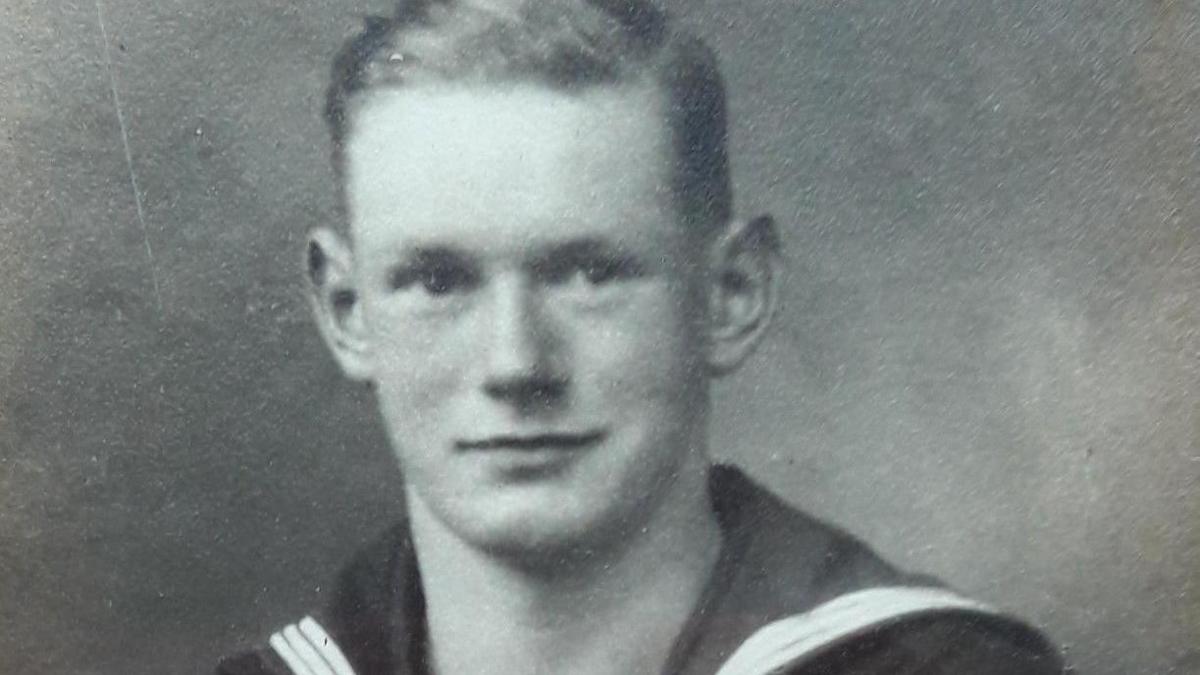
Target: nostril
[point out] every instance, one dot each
(537, 392)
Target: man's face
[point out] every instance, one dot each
(531, 307)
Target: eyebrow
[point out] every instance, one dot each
(411, 262)
(425, 255)
(575, 250)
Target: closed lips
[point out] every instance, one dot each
(533, 442)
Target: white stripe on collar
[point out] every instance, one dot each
(789, 641)
(307, 649)
(285, 651)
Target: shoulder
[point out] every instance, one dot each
(826, 603)
(353, 633)
(949, 643)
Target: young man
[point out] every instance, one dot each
(541, 272)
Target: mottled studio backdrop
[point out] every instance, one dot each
(988, 361)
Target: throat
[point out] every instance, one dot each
(619, 615)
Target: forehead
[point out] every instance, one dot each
(516, 160)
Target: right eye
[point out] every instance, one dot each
(436, 278)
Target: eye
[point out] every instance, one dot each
(596, 270)
(436, 277)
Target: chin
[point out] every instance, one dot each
(536, 537)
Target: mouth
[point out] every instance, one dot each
(532, 442)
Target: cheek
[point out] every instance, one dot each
(416, 375)
(645, 358)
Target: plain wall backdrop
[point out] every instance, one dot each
(987, 364)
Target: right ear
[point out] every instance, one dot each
(329, 264)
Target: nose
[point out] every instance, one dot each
(521, 368)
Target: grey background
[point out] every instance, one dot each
(987, 362)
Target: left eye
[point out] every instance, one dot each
(592, 271)
(603, 271)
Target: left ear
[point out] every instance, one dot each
(743, 291)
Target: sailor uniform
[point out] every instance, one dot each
(788, 595)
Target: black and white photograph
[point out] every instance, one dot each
(600, 337)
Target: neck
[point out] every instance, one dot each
(600, 615)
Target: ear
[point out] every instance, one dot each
(329, 263)
(743, 291)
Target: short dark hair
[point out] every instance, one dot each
(564, 44)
